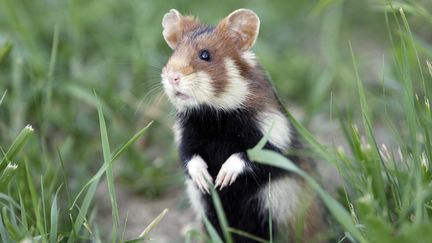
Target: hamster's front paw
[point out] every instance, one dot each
(197, 169)
(229, 171)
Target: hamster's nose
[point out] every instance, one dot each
(174, 78)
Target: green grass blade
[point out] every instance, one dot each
(42, 198)
(3, 96)
(195, 234)
(321, 149)
(247, 235)
(7, 175)
(5, 49)
(34, 200)
(147, 230)
(16, 146)
(102, 170)
(428, 63)
(83, 210)
(23, 212)
(109, 173)
(65, 179)
(54, 219)
(214, 236)
(413, 46)
(131, 141)
(49, 85)
(3, 232)
(53, 57)
(375, 165)
(124, 227)
(9, 199)
(221, 214)
(154, 223)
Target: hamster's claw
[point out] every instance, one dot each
(229, 171)
(203, 181)
(197, 169)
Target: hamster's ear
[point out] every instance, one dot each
(243, 25)
(175, 26)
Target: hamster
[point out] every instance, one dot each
(224, 105)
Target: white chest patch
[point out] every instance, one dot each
(280, 134)
(282, 196)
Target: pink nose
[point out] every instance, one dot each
(174, 78)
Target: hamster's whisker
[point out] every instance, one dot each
(151, 95)
(156, 88)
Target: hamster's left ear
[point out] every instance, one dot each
(243, 25)
(175, 26)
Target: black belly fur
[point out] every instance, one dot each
(215, 135)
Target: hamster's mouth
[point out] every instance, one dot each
(181, 96)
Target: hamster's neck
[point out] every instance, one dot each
(207, 114)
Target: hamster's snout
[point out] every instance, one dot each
(175, 80)
(174, 77)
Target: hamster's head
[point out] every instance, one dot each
(209, 65)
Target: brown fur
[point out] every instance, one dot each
(309, 225)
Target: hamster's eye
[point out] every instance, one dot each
(204, 55)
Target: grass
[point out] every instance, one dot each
(14, 217)
(366, 64)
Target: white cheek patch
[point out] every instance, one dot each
(237, 88)
(168, 88)
(280, 134)
(199, 85)
(282, 197)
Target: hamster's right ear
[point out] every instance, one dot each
(175, 26)
(243, 25)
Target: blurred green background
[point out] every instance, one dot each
(55, 54)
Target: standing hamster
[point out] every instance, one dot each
(224, 105)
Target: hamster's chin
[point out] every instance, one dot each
(181, 100)
(182, 96)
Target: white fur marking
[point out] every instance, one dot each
(230, 170)
(237, 88)
(282, 196)
(250, 58)
(197, 169)
(200, 85)
(281, 133)
(194, 195)
(177, 133)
